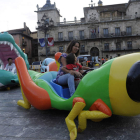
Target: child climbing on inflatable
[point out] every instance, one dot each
(72, 64)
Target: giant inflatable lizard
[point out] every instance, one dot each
(111, 89)
(8, 48)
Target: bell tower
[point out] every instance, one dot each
(100, 3)
(50, 11)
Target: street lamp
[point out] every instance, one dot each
(44, 26)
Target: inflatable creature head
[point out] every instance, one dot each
(124, 84)
(117, 83)
(9, 49)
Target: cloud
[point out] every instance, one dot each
(14, 12)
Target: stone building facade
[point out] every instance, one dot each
(34, 46)
(23, 40)
(27, 41)
(105, 31)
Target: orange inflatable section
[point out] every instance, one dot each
(100, 105)
(53, 66)
(38, 97)
(57, 55)
(78, 99)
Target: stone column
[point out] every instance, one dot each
(111, 15)
(122, 15)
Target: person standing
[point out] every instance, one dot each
(103, 60)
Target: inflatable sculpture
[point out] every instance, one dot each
(49, 64)
(111, 89)
(44, 66)
(8, 48)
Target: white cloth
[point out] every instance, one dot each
(85, 58)
(10, 67)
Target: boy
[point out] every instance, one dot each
(73, 65)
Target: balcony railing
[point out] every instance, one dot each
(117, 34)
(122, 49)
(68, 22)
(60, 39)
(93, 36)
(120, 18)
(82, 37)
(96, 36)
(49, 54)
(121, 34)
(83, 52)
(70, 38)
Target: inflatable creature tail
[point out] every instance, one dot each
(36, 96)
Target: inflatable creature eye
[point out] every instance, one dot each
(133, 82)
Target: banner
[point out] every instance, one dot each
(42, 42)
(50, 41)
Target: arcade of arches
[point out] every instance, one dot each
(94, 51)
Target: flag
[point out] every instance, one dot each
(95, 30)
(50, 41)
(42, 42)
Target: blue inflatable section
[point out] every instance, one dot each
(61, 91)
(49, 78)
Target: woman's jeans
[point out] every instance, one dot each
(67, 79)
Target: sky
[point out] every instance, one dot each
(13, 13)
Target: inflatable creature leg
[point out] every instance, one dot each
(98, 111)
(78, 105)
(101, 106)
(24, 103)
(8, 88)
(84, 115)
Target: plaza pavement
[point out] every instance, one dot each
(16, 123)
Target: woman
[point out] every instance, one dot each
(66, 77)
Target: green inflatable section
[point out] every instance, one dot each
(93, 86)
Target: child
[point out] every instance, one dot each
(73, 65)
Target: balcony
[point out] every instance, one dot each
(70, 38)
(107, 35)
(60, 39)
(24, 43)
(117, 34)
(96, 36)
(129, 49)
(68, 23)
(83, 52)
(49, 54)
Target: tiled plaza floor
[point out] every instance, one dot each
(16, 123)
